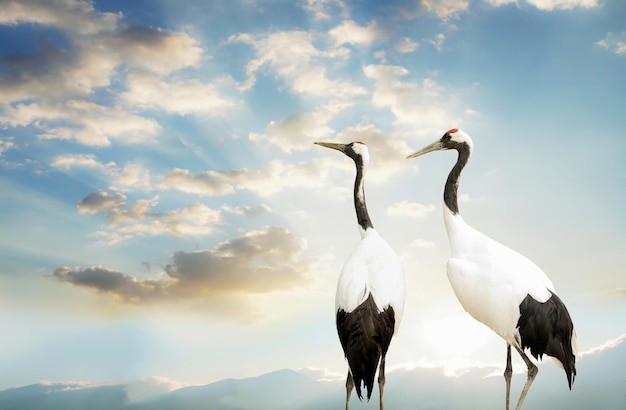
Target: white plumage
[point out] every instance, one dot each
(370, 292)
(501, 288)
(373, 268)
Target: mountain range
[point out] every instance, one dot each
(599, 385)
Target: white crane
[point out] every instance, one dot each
(501, 288)
(370, 292)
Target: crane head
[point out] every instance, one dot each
(452, 139)
(356, 150)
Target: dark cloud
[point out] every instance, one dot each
(257, 262)
(124, 287)
(98, 201)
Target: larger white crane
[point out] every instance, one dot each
(370, 292)
(501, 288)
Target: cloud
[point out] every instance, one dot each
(208, 183)
(445, 9)
(619, 292)
(126, 288)
(6, 144)
(413, 209)
(154, 50)
(132, 177)
(609, 344)
(139, 218)
(615, 43)
(99, 201)
(93, 55)
(436, 41)
(348, 32)
(83, 122)
(247, 210)
(549, 5)
(406, 45)
(278, 175)
(465, 197)
(386, 152)
(414, 105)
(151, 387)
(178, 96)
(59, 13)
(442, 9)
(69, 161)
(293, 57)
(323, 9)
(258, 262)
(298, 131)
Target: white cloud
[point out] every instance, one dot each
(84, 122)
(132, 177)
(609, 344)
(348, 32)
(247, 210)
(144, 389)
(465, 197)
(6, 144)
(68, 161)
(562, 4)
(294, 58)
(387, 152)
(413, 209)
(278, 175)
(406, 45)
(60, 13)
(436, 41)
(443, 9)
(615, 43)
(323, 9)
(414, 105)
(298, 131)
(177, 96)
(209, 183)
(139, 219)
(548, 5)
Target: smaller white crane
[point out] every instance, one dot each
(370, 292)
(501, 288)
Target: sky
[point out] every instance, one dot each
(165, 212)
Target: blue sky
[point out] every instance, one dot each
(167, 214)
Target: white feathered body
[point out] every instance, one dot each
(373, 268)
(491, 280)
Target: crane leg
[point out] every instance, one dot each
(508, 372)
(532, 373)
(381, 381)
(349, 387)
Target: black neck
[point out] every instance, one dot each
(452, 184)
(359, 198)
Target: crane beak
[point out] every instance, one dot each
(435, 146)
(333, 145)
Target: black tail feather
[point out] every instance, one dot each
(547, 328)
(365, 335)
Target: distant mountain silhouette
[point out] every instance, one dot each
(600, 385)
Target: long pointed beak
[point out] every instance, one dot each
(435, 146)
(333, 145)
